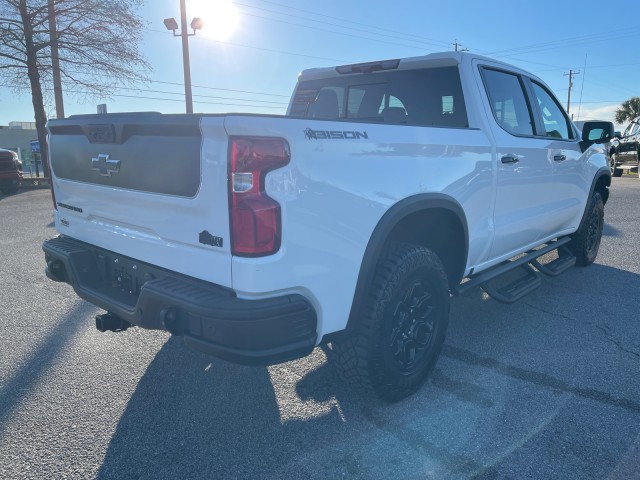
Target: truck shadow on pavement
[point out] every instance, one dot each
(194, 416)
(609, 231)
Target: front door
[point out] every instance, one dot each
(525, 169)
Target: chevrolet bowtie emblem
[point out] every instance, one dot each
(104, 165)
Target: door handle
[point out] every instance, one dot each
(559, 158)
(510, 158)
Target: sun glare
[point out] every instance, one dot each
(220, 17)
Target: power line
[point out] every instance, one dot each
(571, 41)
(584, 74)
(282, 52)
(199, 102)
(334, 32)
(225, 89)
(350, 22)
(200, 96)
(204, 87)
(80, 92)
(145, 90)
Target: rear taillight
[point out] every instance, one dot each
(254, 217)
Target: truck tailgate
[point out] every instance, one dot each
(132, 184)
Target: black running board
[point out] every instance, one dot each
(529, 281)
(515, 290)
(559, 265)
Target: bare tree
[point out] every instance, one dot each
(629, 110)
(98, 48)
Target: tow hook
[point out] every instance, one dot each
(112, 323)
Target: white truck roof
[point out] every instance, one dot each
(440, 59)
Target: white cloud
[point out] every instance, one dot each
(606, 112)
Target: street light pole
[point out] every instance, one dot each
(196, 24)
(185, 57)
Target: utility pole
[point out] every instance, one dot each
(456, 46)
(570, 75)
(55, 61)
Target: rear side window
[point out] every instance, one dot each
(508, 101)
(428, 97)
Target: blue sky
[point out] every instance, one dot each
(255, 68)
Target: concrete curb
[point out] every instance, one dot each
(34, 183)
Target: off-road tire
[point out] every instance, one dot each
(586, 241)
(401, 330)
(615, 172)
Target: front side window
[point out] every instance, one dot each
(635, 129)
(508, 101)
(554, 120)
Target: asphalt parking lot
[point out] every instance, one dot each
(546, 388)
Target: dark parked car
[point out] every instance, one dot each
(10, 171)
(625, 150)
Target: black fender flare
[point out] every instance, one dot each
(383, 230)
(602, 172)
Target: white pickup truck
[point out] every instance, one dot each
(348, 222)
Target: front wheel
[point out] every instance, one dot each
(586, 241)
(613, 160)
(401, 331)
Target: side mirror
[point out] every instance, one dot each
(597, 132)
(617, 134)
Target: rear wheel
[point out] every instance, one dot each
(401, 330)
(586, 241)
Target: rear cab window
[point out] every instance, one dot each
(422, 97)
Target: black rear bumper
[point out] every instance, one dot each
(211, 318)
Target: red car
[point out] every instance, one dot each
(10, 172)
